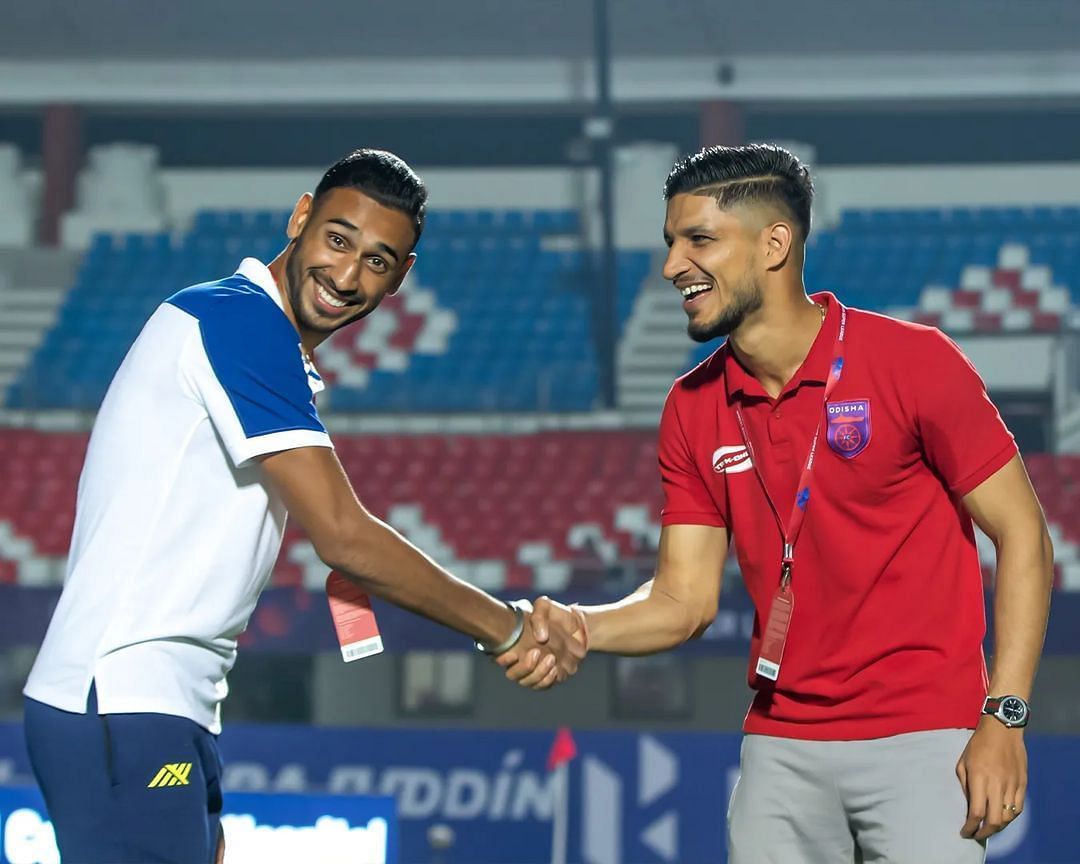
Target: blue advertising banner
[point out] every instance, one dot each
(260, 829)
(296, 621)
(634, 797)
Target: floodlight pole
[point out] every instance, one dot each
(601, 129)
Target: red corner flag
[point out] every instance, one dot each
(563, 749)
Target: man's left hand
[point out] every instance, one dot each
(993, 774)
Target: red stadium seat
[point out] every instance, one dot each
(484, 497)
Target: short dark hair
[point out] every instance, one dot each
(384, 178)
(753, 173)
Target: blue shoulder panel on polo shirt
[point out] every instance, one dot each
(255, 354)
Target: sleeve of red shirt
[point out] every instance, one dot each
(963, 436)
(687, 499)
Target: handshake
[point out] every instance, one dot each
(554, 641)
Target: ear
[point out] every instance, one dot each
(300, 214)
(777, 240)
(403, 272)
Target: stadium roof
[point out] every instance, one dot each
(269, 29)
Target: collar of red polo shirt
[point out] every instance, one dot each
(774, 637)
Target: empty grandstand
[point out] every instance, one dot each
(501, 410)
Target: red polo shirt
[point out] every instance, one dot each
(886, 635)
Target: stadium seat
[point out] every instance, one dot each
(502, 509)
(491, 319)
(473, 501)
(965, 269)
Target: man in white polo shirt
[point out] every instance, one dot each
(206, 438)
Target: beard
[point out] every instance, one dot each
(294, 281)
(746, 299)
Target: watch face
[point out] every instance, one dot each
(1013, 710)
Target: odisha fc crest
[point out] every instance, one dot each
(849, 426)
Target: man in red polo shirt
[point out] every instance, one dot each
(849, 453)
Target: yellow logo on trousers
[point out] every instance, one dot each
(173, 774)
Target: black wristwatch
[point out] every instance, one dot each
(1010, 710)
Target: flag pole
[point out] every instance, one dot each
(561, 817)
(563, 750)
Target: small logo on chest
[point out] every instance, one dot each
(849, 428)
(731, 460)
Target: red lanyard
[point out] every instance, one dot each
(793, 527)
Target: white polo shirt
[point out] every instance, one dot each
(175, 534)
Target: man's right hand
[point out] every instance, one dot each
(551, 648)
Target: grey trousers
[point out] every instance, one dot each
(883, 801)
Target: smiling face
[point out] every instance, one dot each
(712, 262)
(347, 253)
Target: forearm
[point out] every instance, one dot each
(1025, 572)
(316, 492)
(646, 622)
(388, 566)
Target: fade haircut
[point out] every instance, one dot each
(382, 177)
(752, 174)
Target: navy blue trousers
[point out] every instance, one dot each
(126, 788)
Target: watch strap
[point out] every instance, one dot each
(992, 706)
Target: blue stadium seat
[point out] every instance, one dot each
(882, 259)
(523, 336)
